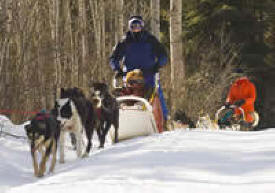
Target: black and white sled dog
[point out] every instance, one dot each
(106, 110)
(43, 135)
(75, 114)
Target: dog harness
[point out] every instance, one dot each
(98, 112)
(42, 116)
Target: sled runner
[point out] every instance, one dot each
(138, 116)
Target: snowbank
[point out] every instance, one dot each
(6, 126)
(180, 161)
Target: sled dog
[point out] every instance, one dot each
(76, 114)
(106, 110)
(205, 123)
(43, 134)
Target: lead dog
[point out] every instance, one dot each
(43, 134)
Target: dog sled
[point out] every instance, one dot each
(226, 119)
(137, 115)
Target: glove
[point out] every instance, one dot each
(239, 103)
(227, 105)
(119, 74)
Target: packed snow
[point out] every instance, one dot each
(180, 161)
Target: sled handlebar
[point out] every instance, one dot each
(157, 80)
(230, 107)
(115, 83)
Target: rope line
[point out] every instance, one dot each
(10, 111)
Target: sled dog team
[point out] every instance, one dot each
(75, 114)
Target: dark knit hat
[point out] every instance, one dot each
(238, 71)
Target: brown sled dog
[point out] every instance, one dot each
(43, 134)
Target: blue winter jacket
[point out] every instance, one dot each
(143, 52)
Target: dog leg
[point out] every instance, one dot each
(54, 147)
(78, 143)
(61, 148)
(105, 131)
(116, 125)
(98, 131)
(73, 140)
(34, 161)
(45, 157)
(116, 134)
(89, 135)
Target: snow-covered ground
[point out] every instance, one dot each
(180, 161)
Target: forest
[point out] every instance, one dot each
(50, 44)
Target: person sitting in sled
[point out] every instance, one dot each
(140, 50)
(242, 94)
(135, 84)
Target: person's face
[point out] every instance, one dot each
(136, 26)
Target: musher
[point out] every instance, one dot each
(139, 49)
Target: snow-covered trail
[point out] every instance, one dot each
(180, 161)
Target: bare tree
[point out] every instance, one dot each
(119, 30)
(103, 38)
(57, 8)
(155, 17)
(4, 29)
(177, 62)
(83, 33)
(72, 25)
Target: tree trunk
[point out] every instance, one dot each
(72, 38)
(103, 42)
(155, 17)
(177, 64)
(119, 27)
(4, 38)
(83, 34)
(40, 55)
(52, 21)
(95, 5)
(58, 75)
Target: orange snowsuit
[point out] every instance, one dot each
(242, 88)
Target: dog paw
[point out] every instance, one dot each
(40, 174)
(50, 173)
